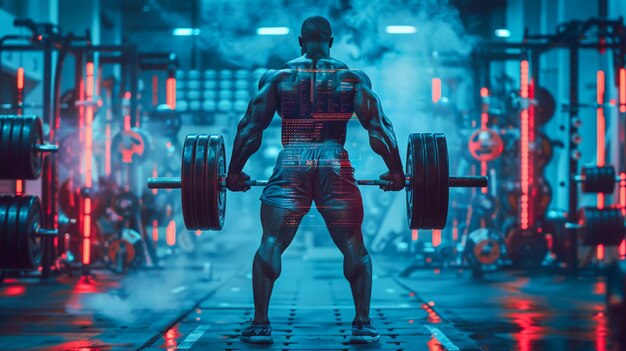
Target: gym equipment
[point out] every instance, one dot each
(69, 201)
(21, 234)
(545, 106)
(203, 182)
(157, 207)
(595, 179)
(124, 252)
(600, 226)
(484, 204)
(485, 145)
(616, 300)
(22, 147)
(132, 146)
(543, 196)
(542, 148)
(125, 204)
(484, 248)
(527, 248)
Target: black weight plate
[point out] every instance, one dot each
(6, 147)
(414, 168)
(187, 182)
(215, 192)
(598, 179)
(30, 246)
(431, 193)
(12, 250)
(441, 210)
(4, 248)
(202, 196)
(546, 106)
(17, 152)
(35, 161)
(3, 150)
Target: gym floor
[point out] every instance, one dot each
(202, 303)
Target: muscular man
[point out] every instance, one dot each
(315, 95)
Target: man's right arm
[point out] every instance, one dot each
(370, 113)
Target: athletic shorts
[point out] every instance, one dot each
(318, 172)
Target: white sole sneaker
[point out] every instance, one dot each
(364, 339)
(257, 339)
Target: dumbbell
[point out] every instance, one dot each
(203, 181)
(597, 179)
(600, 226)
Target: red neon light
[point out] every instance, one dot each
(155, 90)
(20, 78)
(414, 235)
(436, 89)
(19, 187)
(600, 135)
(600, 252)
(622, 90)
(455, 230)
(622, 192)
(524, 148)
(88, 120)
(155, 230)
(170, 92)
(170, 233)
(87, 232)
(622, 249)
(436, 238)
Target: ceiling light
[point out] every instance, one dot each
(502, 33)
(185, 32)
(272, 31)
(401, 29)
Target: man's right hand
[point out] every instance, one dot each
(237, 181)
(396, 181)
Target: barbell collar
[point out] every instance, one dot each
(46, 148)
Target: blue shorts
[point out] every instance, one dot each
(313, 172)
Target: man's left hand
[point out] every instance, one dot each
(237, 181)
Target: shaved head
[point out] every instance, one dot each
(316, 28)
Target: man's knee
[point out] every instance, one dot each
(268, 257)
(357, 264)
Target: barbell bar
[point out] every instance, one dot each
(203, 184)
(453, 182)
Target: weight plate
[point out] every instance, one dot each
(431, 185)
(484, 247)
(187, 182)
(415, 199)
(30, 160)
(125, 204)
(546, 106)
(202, 197)
(13, 254)
(527, 248)
(485, 145)
(598, 179)
(5, 122)
(9, 148)
(5, 252)
(215, 190)
(602, 226)
(131, 146)
(30, 246)
(442, 164)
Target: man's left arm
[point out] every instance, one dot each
(258, 116)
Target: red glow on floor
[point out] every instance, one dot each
(13, 291)
(528, 320)
(171, 336)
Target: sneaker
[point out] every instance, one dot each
(364, 333)
(257, 334)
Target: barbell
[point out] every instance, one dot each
(22, 147)
(597, 179)
(203, 181)
(21, 233)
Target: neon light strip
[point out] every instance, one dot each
(88, 166)
(19, 184)
(170, 92)
(107, 133)
(524, 149)
(622, 90)
(484, 119)
(600, 144)
(155, 230)
(436, 90)
(414, 235)
(170, 233)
